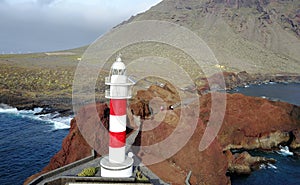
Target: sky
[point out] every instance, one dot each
(49, 25)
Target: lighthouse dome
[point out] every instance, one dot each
(118, 64)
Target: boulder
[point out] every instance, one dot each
(244, 163)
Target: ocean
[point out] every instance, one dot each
(286, 171)
(28, 141)
(286, 92)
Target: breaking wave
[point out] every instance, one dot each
(55, 119)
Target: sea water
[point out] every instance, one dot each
(27, 142)
(286, 92)
(286, 171)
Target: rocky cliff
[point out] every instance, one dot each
(249, 123)
(74, 146)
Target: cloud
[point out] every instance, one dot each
(45, 2)
(33, 25)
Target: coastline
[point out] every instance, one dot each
(60, 105)
(63, 103)
(232, 80)
(244, 79)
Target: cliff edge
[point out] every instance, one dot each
(249, 123)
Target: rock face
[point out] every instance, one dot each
(296, 138)
(155, 96)
(244, 163)
(257, 36)
(249, 123)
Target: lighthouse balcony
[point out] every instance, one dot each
(121, 93)
(118, 82)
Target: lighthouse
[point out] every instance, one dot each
(117, 163)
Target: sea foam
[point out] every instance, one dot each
(53, 118)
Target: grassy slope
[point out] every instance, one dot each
(39, 75)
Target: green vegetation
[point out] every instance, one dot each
(41, 76)
(35, 81)
(140, 177)
(88, 172)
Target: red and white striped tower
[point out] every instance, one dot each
(117, 164)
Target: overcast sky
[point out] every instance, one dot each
(49, 25)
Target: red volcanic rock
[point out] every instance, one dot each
(207, 166)
(244, 163)
(249, 123)
(160, 96)
(296, 142)
(75, 146)
(140, 108)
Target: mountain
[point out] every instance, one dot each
(257, 36)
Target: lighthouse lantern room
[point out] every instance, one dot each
(117, 164)
(118, 82)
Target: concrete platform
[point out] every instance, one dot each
(109, 169)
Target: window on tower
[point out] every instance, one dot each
(118, 71)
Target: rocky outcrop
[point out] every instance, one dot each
(156, 96)
(257, 123)
(244, 163)
(296, 139)
(249, 123)
(289, 21)
(74, 147)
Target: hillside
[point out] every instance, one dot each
(39, 79)
(254, 36)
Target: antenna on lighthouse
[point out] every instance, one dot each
(119, 55)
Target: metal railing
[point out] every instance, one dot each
(126, 95)
(127, 83)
